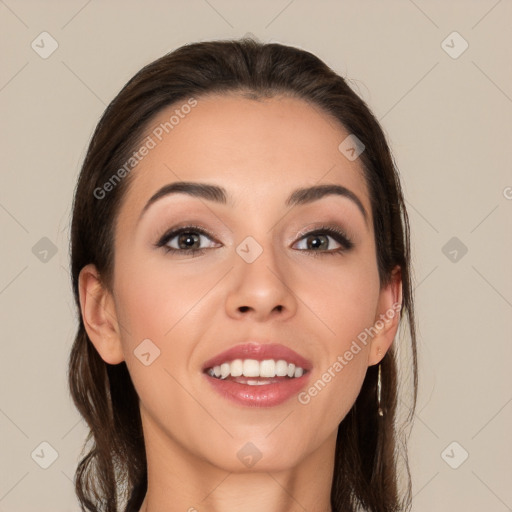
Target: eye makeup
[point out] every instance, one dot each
(191, 234)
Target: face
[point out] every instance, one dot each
(256, 264)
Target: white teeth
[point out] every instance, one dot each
(267, 368)
(251, 368)
(224, 370)
(281, 368)
(256, 382)
(237, 368)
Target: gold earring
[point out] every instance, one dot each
(379, 389)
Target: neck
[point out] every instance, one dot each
(180, 481)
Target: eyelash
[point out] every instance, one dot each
(338, 235)
(175, 232)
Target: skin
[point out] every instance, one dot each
(193, 308)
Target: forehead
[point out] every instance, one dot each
(258, 150)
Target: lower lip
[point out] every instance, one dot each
(265, 395)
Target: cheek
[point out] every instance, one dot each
(164, 303)
(345, 302)
(344, 299)
(156, 305)
(155, 297)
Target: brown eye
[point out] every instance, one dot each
(186, 240)
(317, 242)
(321, 241)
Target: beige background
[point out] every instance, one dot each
(448, 121)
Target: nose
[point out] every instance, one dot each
(262, 289)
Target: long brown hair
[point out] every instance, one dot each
(368, 445)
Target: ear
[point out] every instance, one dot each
(387, 317)
(99, 315)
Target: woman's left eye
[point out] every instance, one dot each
(318, 241)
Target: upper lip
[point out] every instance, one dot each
(259, 352)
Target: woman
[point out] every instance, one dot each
(240, 263)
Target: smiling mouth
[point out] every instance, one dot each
(256, 373)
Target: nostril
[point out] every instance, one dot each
(243, 309)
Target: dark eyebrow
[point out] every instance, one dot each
(219, 195)
(194, 189)
(310, 194)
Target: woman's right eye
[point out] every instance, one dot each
(185, 240)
